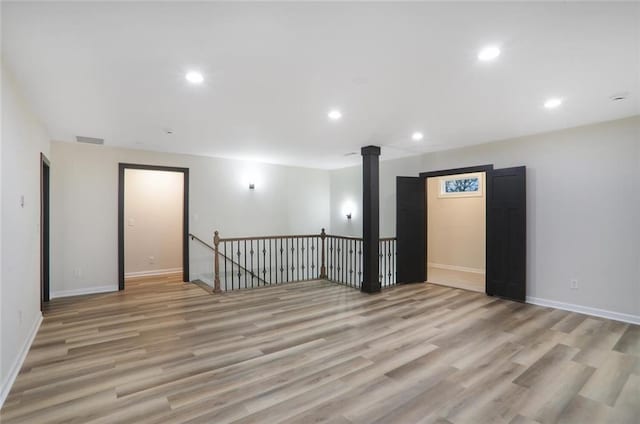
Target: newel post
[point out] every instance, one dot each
(216, 262)
(323, 268)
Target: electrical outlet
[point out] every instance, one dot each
(152, 259)
(20, 316)
(77, 272)
(573, 284)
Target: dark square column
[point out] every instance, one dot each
(370, 218)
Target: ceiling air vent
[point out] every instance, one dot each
(90, 140)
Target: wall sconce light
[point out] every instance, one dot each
(252, 186)
(349, 215)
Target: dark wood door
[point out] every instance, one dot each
(410, 230)
(506, 233)
(45, 173)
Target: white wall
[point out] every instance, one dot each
(23, 139)
(153, 215)
(346, 188)
(84, 219)
(583, 204)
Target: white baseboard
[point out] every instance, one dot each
(17, 364)
(456, 268)
(587, 310)
(78, 292)
(153, 272)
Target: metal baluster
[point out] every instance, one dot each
(224, 247)
(349, 261)
(384, 277)
(246, 285)
(240, 269)
(232, 271)
(281, 261)
(344, 262)
(309, 255)
(393, 260)
(264, 262)
(333, 260)
(251, 260)
(313, 262)
(388, 260)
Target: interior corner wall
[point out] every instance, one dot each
(84, 206)
(346, 196)
(23, 139)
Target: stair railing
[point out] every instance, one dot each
(249, 262)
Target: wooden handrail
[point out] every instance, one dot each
(344, 237)
(194, 237)
(293, 237)
(269, 237)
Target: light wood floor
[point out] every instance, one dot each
(167, 352)
(458, 279)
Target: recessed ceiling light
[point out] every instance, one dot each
(488, 53)
(194, 77)
(553, 103)
(334, 114)
(417, 136)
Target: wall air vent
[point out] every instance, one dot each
(90, 140)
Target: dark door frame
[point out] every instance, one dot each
(185, 216)
(45, 229)
(468, 170)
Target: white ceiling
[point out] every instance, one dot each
(273, 70)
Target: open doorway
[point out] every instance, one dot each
(45, 179)
(153, 222)
(456, 230)
(505, 228)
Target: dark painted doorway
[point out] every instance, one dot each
(45, 179)
(185, 216)
(505, 229)
(507, 234)
(410, 230)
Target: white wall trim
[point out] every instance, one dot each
(17, 364)
(602, 313)
(78, 292)
(153, 272)
(456, 268)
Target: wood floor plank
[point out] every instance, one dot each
(163, 351)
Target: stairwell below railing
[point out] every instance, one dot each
(250, 262)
